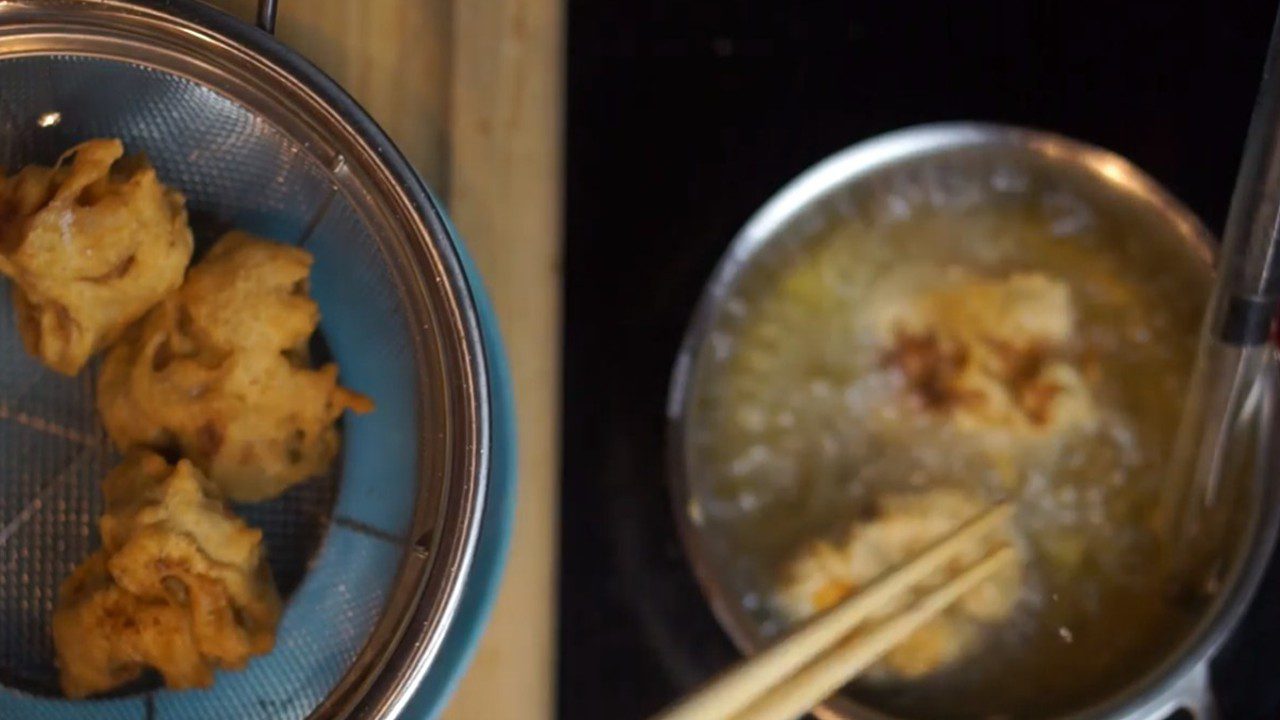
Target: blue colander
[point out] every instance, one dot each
(389, 565)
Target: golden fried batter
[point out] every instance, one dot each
(220, 370)
(105, 636)
(180, 585)
(822, 574)
(167, 537)
(986, 353)
(91, 244)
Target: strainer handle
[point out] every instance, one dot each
(267, 15)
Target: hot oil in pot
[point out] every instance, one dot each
(801, 424)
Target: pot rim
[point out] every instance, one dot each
(1145, 694)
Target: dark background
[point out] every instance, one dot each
(685, 116)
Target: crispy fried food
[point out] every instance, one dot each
(91, 244)
(986, 354)
(181, 585)
(823, 573)
(105, 636)
(168, 538)
(220, 371)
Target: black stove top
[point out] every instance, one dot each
(685, 116)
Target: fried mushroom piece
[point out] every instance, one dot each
(180, 585)
(169, 538)
(105, 636)
(220, 372)
(823, 573)
(988, 355)
(91, 244)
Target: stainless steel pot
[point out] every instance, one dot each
(817, 199)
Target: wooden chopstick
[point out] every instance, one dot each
(820, 680)
(737, 688)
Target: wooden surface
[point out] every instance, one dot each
(471, 91)
(505, 194)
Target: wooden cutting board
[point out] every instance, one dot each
(471, 90)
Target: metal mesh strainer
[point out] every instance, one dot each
(372, 559)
